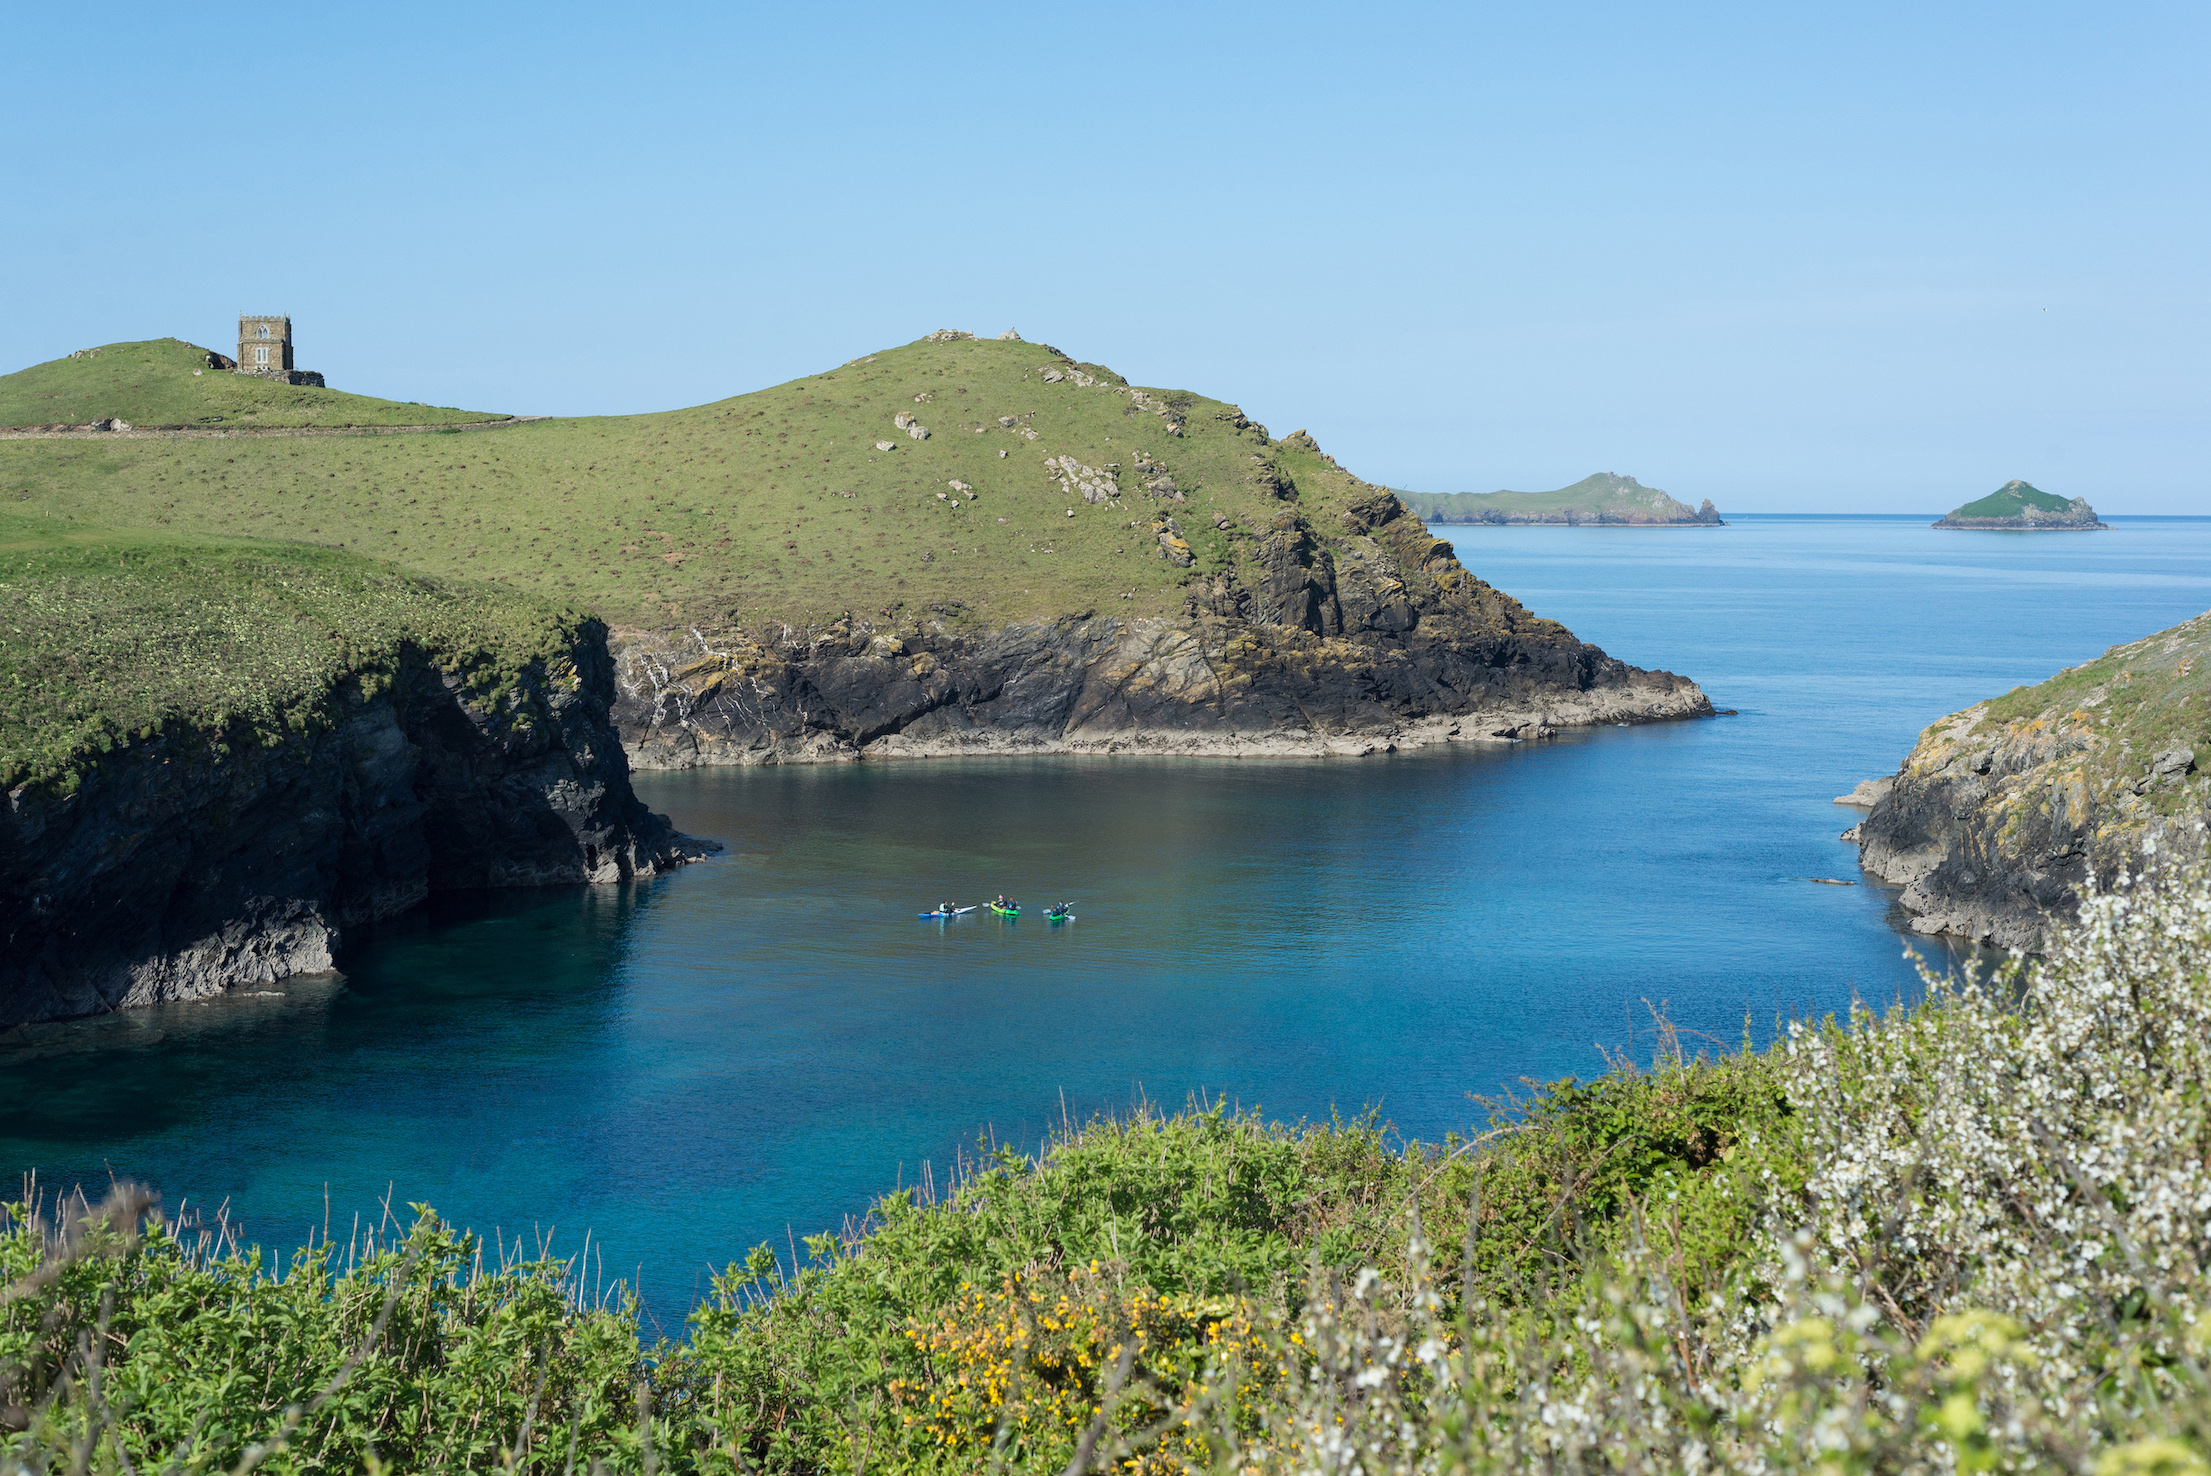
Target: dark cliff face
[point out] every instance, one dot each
(2006, 813)
(177, 870)
(1324, 648)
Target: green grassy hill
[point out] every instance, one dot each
(2011, 500)
(166, 382)
(777, 505)
(1604, 496)
(108, 636)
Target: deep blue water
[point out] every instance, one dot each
(757, 1046)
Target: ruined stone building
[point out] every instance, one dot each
(265, 350)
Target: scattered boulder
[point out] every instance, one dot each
(886, 445)
(959, 486)
(1009, 336)
(2173, 763)
(947, 335)
(1053, 376)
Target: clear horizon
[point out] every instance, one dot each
(1883, 262)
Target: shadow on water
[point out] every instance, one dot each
(192, 1094)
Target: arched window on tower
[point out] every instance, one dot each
(264, 332)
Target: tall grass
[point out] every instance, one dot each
(1969, 1236)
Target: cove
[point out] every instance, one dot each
(754, 1047)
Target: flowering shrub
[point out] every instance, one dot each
(1027, 1368)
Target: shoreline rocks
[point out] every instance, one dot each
(2006, 813)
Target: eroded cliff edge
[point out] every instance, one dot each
(2006, 812)
(218, 754)
(1370, 634)
(175, 871)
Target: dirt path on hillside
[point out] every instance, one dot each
(245, 432)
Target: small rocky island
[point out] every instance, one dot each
(2022, 507)
(2006, 813)
(1605, 499)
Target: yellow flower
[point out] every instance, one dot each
(2152, 1458)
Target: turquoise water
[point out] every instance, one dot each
(756, 1046)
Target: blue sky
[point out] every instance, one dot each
(1873, 258)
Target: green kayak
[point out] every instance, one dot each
(1005, 911)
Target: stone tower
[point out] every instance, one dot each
(265, 349)
(264, 345)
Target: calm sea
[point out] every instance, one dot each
(756, 1047)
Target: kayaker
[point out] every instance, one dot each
(945, 908)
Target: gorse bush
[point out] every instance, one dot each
(1965, 1236)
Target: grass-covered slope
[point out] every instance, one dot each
(1601, 497)
(2009, 501)
(108, 637)
(772, 505)
(166, 382)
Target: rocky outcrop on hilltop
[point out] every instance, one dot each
(2005, 813)
(1374, 638)
(181, 868)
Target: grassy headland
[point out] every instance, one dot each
(1966, 1236)
(2020, 506)
(2009, 501)
(115, 636)
(771, 506)
(1603, 497)
(165, 382)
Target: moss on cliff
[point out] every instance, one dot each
(110, 637)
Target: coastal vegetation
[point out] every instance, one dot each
(118, 637)
(1968, 1235)
(1604, 498)
(166, 383)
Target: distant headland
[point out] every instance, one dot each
(2022, 507)
(1603, 500)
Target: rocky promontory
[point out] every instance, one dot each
(1378, 638)
(2022, 508)
(173, 836)
(2005, 813)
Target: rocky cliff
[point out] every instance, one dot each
(189, 863)
(2004, 813)
(1367, 635)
